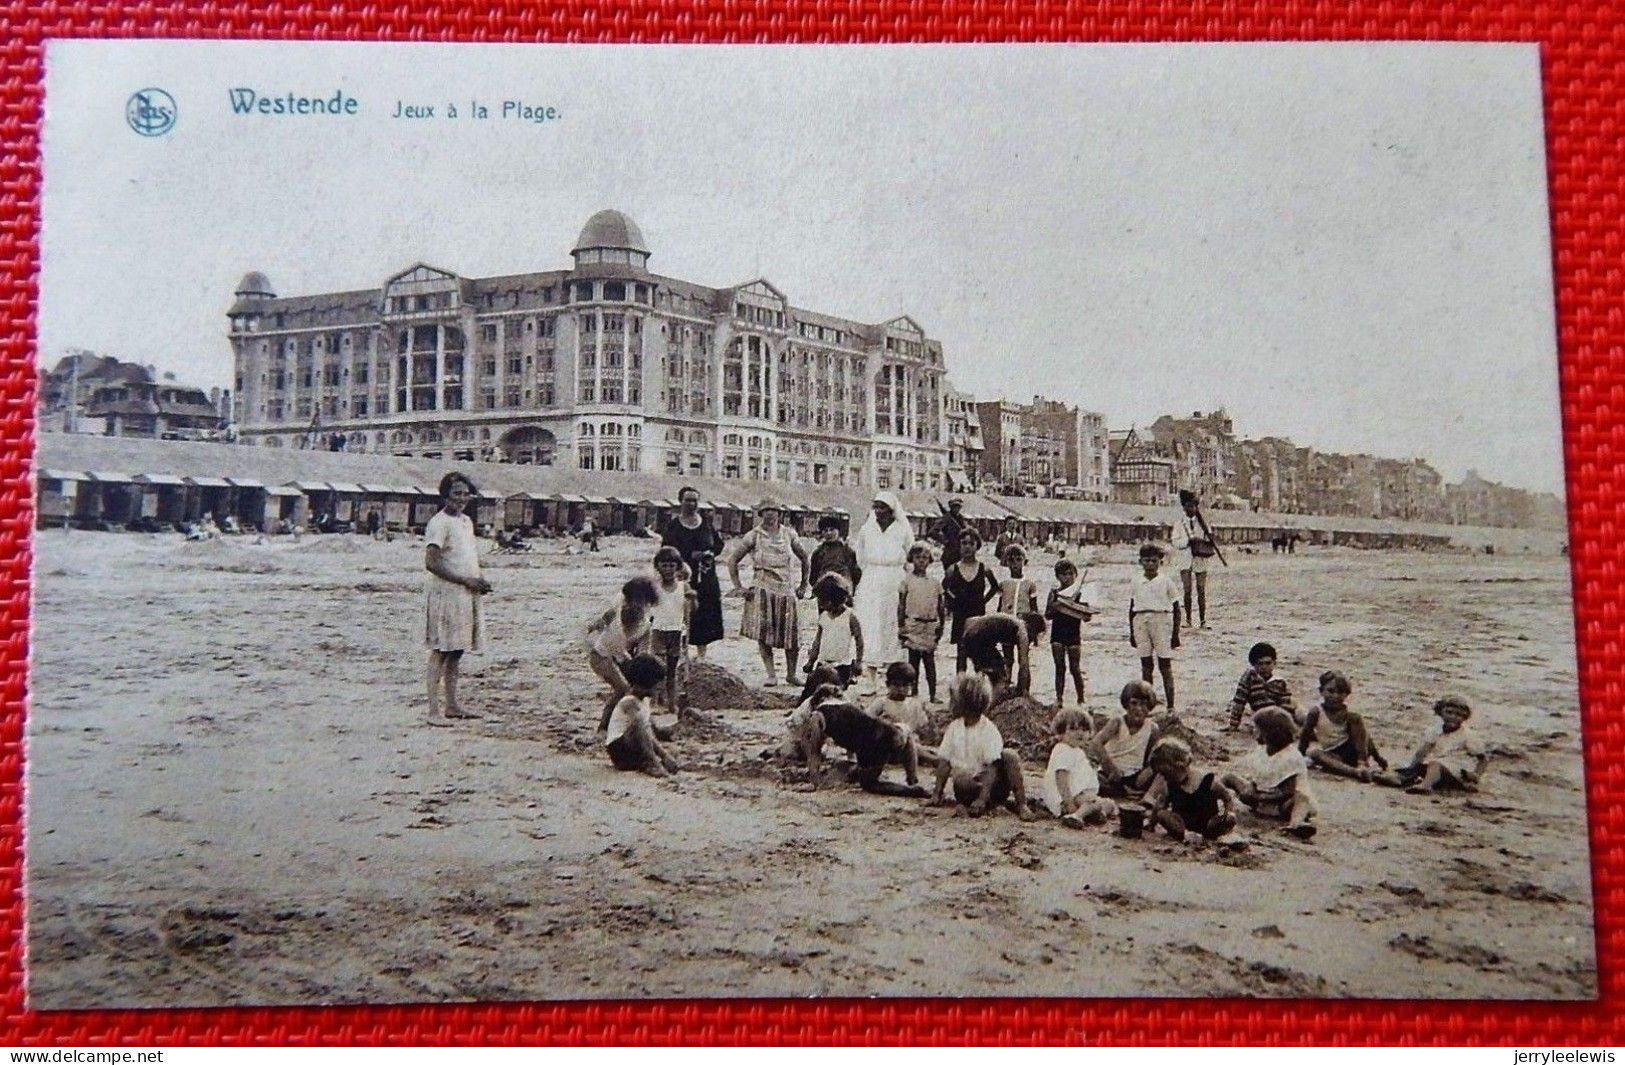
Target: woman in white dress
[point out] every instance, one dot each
(882, 549)
(452, 589)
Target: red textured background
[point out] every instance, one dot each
(1583, 45)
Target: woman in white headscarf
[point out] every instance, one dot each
(882, 549)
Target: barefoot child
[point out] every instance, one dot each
(1334, 737)
(1071, 787)
(838, 636)
(1274, 781)
(901, 703)
(630, 739)
(967, 586)
(674, 606)
(1187, 803)
(1066, 611)
(619, 633)
(994, 641)
(1451, 758)
(452, 589)
(972, 754)
(1122, 745)
(920, 616)
(871, 741)
(1017, 594)
(1259, 687)
(1153, 619)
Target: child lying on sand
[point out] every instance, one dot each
(871, 741)
(1450, 758)
(1274, 779)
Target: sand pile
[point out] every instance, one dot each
(333, 545)
(1203, 748)
(1024, 722)
(710, 687)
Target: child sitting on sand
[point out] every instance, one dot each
(630, 739)
(1274, 779)
(675, 600)
(972, 754)
(1071, 787)
(871, 741)
(838, 637)
(1259, 687)
(920, 617)
(619, 633)
(900, 705)
(1189, 804)
(1122, 745)
(1451, 758)
(1067, 610)
(1334, 737)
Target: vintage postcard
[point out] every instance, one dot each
(525, 522)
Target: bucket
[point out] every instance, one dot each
(1130, 821)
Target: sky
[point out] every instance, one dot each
(1345, 244)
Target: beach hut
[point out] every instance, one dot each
(209, 497)
(164, 501)
(112, 500)
(490, 508)
(523, 510)
(249, 502)
(57, 496)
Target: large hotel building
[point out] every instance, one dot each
(601, 367)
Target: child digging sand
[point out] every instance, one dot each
(452, 591)
(1334, 737)
(872, 742)
(619, 633)
(1450, 758)
(1274, 781)
(1187, 803)
(972, 754)
(630, 740)
(1071, 788)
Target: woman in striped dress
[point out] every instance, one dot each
(780, 578)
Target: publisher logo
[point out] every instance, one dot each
(151, 112)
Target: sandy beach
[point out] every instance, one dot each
(232, 801)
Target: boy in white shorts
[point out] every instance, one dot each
(1153, 619)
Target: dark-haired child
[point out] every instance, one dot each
(1122, 745)
(833, 554)
(617, 634)
(992, 641)
(901, 703)
(1068, 608)
(1451, 758)
(871, 741)
(838, 636)
(452, 590)
(968, 586)
(920, 617)
(1334, 737)
(674, 606)
(630, 736)
(1153, 619)
(1259, 687)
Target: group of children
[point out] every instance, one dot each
(637, 647)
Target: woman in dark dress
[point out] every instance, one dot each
(694, 538)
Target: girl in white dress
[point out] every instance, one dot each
(882, 549)
(452, 590)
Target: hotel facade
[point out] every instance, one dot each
(604, 366)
